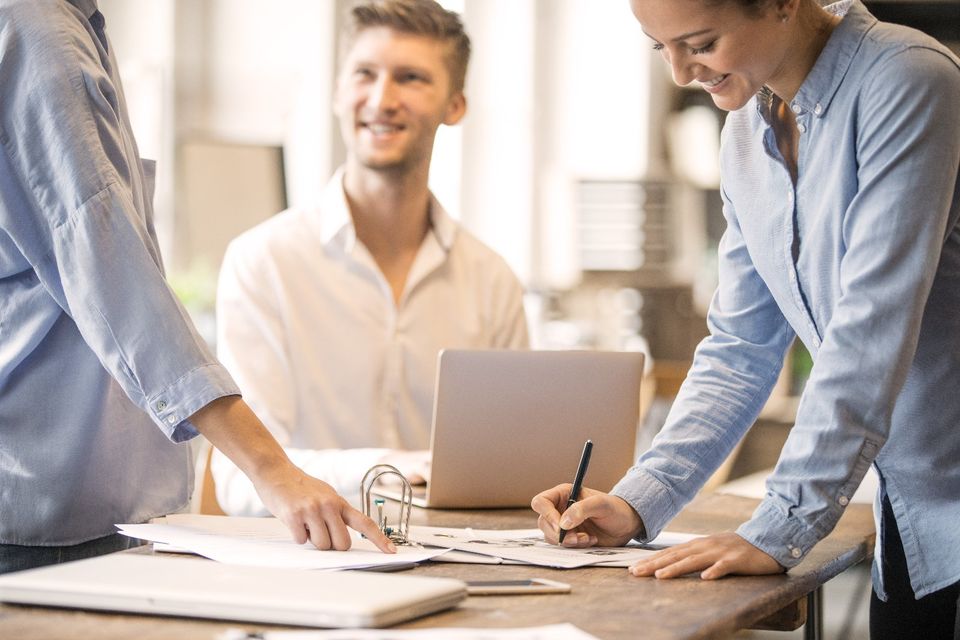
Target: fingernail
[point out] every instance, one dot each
(392, 547)
(565, 523)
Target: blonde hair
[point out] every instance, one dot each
(415, 17)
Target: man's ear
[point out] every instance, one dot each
(456, 109)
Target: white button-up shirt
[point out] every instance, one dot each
(338, 370)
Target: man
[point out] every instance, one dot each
(331, 319)
(96, 352)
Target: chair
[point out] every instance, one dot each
(204, 490)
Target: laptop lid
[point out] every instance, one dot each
(200, 588)
(509, 424)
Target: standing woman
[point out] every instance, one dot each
(840, 160)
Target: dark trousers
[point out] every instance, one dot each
(14, 557)
(933, 617)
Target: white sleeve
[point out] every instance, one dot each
(510, 330)
(251, 337)
(342, 469)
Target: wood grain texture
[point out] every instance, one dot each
(609, 603)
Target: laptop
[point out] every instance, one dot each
(200, 588)
(510, 424)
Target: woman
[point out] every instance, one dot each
(839, 161)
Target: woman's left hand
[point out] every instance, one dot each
(713, 556)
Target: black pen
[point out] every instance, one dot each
(578, 480)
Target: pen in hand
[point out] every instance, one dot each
(578, 480)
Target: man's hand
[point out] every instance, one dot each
(713, 556)
(596, 519)
(309, 507)
(414, 465)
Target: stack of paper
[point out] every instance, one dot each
(264, 542)
(267, 542)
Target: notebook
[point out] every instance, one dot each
(200, 588)
(509, 424)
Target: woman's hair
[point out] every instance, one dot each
(753, 7)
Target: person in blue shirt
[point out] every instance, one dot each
(102, 375)
(839, 176)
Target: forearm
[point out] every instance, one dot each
(232, 427)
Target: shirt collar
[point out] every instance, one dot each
(823, 81)
(336, 223)
(86, 7)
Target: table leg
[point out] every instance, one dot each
(813, 629)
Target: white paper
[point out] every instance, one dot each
(528, 546)
(264, 542)
(549, 632)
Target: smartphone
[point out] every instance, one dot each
(501, 587)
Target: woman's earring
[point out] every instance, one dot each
(784, 18)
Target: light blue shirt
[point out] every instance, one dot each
(873, 291)
(99, 363)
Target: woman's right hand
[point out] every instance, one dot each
(597, 519)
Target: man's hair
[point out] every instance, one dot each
(414, 17)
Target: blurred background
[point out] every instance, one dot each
(579, 161)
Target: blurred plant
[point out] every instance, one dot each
(196, 286)
(197, 289)
(801, 365)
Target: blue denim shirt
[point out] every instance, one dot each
(99, 364)
(872, 288)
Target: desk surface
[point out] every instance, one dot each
(609, 603)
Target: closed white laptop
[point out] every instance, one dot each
(509, 424)
(201, 588)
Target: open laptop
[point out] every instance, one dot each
(509, 424)
(200, 588)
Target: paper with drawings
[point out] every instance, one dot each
(264, 542)
(564, 631)
(528, 546)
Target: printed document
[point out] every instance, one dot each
(264, 542)
(529, 547)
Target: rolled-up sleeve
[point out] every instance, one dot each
(78, 211)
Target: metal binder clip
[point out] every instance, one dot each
(370, 478)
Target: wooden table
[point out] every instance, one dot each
(609, 603)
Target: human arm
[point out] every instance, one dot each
(508, 320)
(76, 204)
(894, 221)
(309, 507)
(733, 371)
(258, 319)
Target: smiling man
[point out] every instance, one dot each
(331, 318)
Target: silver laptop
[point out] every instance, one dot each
(200, 588)
(509, 424)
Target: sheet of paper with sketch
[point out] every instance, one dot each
(529, 547)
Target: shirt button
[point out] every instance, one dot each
(796, 108)
(172, 420)
(161, 405)
(795, 552)
(843, 500)
(818, 109)
(800, 127)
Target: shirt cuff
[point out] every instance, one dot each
(650, 499)
(171, 408)
(782, 536)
